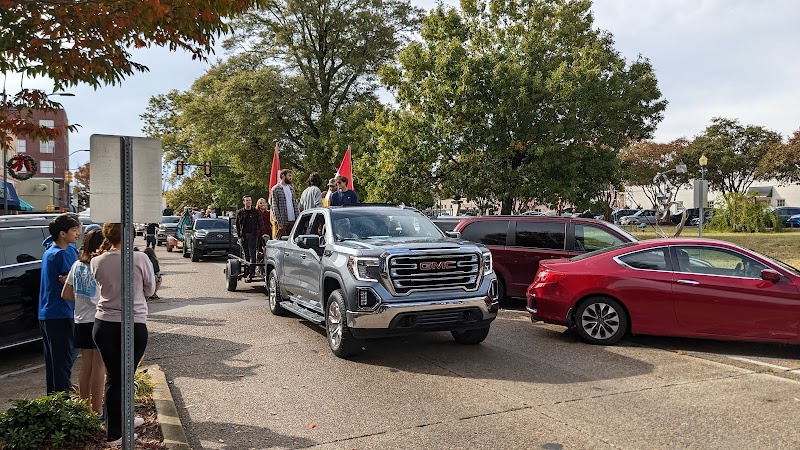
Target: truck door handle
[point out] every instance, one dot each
(287, 254)
(303, 256)
(689, 282)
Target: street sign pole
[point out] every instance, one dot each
(126, 215)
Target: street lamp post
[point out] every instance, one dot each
(67, 184)
(703, 161)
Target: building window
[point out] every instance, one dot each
(46, 166)
(22, 145)
(781, 202)
(47, 123)
(47, 146)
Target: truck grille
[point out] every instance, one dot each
(434, 272)
(217, 236)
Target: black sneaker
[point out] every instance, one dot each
(154, 297)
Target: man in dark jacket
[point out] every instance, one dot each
(150, 234)
(247, 225)
(343, 196)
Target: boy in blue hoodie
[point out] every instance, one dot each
(56, 315)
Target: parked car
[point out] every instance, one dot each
(785, 213)
(518, 243)
(646, 216)
(21, 250)
(166, 227)
(210, 237)
(672, 287)
(620, 213)
(794, 221)
(707, 216)
(140, 228)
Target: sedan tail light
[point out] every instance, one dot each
(549, 276)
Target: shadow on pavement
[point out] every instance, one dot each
(728, 348)
(198, 357)
(237, 437)
(190, 321)
(562, 358)
(157, 307)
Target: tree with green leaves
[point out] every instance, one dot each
(303, 74)
(735, 153)
(519, 100)
(782, 161)
(643, 161)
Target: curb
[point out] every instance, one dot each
(168, 419)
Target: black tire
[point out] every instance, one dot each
(340, 339)
(470, 337)
(501, 289)
(232, 274)
(195, 255)
(169, 248)
(601, 321)
(274, 295)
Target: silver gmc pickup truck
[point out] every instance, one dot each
(365, 271)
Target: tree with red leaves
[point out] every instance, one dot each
(88, 42)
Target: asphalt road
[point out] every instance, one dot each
(243, 378)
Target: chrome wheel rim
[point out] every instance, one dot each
(334, 325)
(600, 321)
(273, 292)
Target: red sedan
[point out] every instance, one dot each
(670, 287)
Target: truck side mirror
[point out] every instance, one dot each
(453, 234)
(308, 241)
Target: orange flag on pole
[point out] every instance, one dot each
(276, 167)
(346, 168)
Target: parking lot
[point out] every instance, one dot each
(243, 378)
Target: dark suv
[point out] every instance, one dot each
(518, 243)
(21, 250)
(207, 237)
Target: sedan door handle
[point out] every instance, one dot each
(690, 282)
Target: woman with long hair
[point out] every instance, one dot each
(106, 268)
(264, 227)
(81, 288)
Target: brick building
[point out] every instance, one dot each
(48, 186)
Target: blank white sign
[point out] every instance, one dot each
(105, 183)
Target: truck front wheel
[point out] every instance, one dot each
(340, 339)
(470, 337)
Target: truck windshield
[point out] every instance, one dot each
(359, 223)
(211, 224)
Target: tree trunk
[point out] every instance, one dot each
(507, 203)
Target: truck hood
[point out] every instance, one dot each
(410, 244)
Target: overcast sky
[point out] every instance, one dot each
(713, 58)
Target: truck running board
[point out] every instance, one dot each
(302, 312)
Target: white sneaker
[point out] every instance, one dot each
(119, 441)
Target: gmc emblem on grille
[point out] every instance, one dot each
(437, 265)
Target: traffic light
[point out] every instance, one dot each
(69, 177)
(179, 168)
(207, 168)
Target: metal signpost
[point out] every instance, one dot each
(115, 169)
(126, 215)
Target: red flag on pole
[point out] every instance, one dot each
(346, 169)
(276, 167)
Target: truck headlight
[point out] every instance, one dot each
(363, 269)
(200, 234)
(487, 263)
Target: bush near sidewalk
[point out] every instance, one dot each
(65, 422)
(53, 421)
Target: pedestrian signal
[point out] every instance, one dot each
(179, 168)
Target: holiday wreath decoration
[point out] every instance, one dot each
(19, 162)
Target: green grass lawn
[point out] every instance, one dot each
(784, 246)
